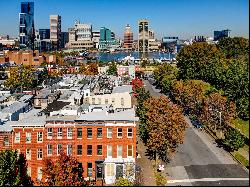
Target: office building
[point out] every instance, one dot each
(44, 34)
(107, 41)
(96, 38)
(26, 25)
(80, 37)
(169, 43)
(221, 34)
(128, 37)
(64, 39)
(55, 31)
(143, 35)
(199, 39)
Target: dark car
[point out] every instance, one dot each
(197, 124)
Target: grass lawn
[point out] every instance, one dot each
(243, 126)
(241, 158)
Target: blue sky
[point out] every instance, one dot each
(183, 18)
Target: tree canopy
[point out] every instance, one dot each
(112, 70)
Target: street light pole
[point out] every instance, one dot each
(219, 116)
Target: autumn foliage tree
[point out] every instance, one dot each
(165, 125)
(136, 84)
(212, 106)
(62, 172)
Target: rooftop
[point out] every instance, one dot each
(122, 89)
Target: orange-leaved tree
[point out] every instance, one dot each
(165, 125)
(64, 171)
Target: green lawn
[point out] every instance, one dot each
(243, 126)
(241, 158)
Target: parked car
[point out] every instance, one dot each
(197, 124)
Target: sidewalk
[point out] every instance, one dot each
(145, 165)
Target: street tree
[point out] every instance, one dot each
(13, 169)
(64, 171)
(165, 125)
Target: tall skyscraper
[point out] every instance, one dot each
(143, 36)
(26, 25)
(55, 31)
(128, 37)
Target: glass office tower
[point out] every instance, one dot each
(26, 25)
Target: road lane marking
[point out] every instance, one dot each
(207, 179)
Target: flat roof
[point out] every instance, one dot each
(122, 89)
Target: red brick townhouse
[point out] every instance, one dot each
(103, 142)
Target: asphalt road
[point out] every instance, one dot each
(199, 162)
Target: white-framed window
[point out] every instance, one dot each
(28, 154)
(89, 133)
(69, 133)
(29, 171)
(39, 136)
(28, 137)
(130, 133)
(109, 132)
(99, 132)
(39, 173)
(109, 150)
(129, 150)
(79, 132)
(59, 133)
(49, 133)
(99, 150)
(39, 154)
(69, 150)
(119, 150)
(110, 167)
(17, 137)
(119, 132)
(49, 149)
(59, 148)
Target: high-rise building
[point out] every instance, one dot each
(221, 34)
(55, 31)
(107, 40)
(80, 37)
(128, 37)
(143, 35)
(44, 34)
(26, 25)
(151, 34)
(64, 39)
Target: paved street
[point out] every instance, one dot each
(200, 162)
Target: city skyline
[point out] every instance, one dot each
(182, 18)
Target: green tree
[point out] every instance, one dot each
(13, 169)
(112, 70)
(64, 171)
(20, 77)
(233, 140)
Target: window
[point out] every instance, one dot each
(29, 171)
(28, 137)
(39, 173)
(93, 101)
(49, 149)
(39, 154)
(106, 101)
(17, 137)
(59, 148)
(99, 101)
(28, 154)
(6, 141)
(122, 101)
(99, 132)
(89, 149)
(99, 149)
(69, 133)
(79, 149)
(130, 150)
(39, 136)
(79, 132)
(119, 132)
(89, 169)
(119, 150)
(110, 170)
(69, 150)
(89, 132)
(109, 132)
(130, 132)
(109, 150)
(59, 133)
(49, 133)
